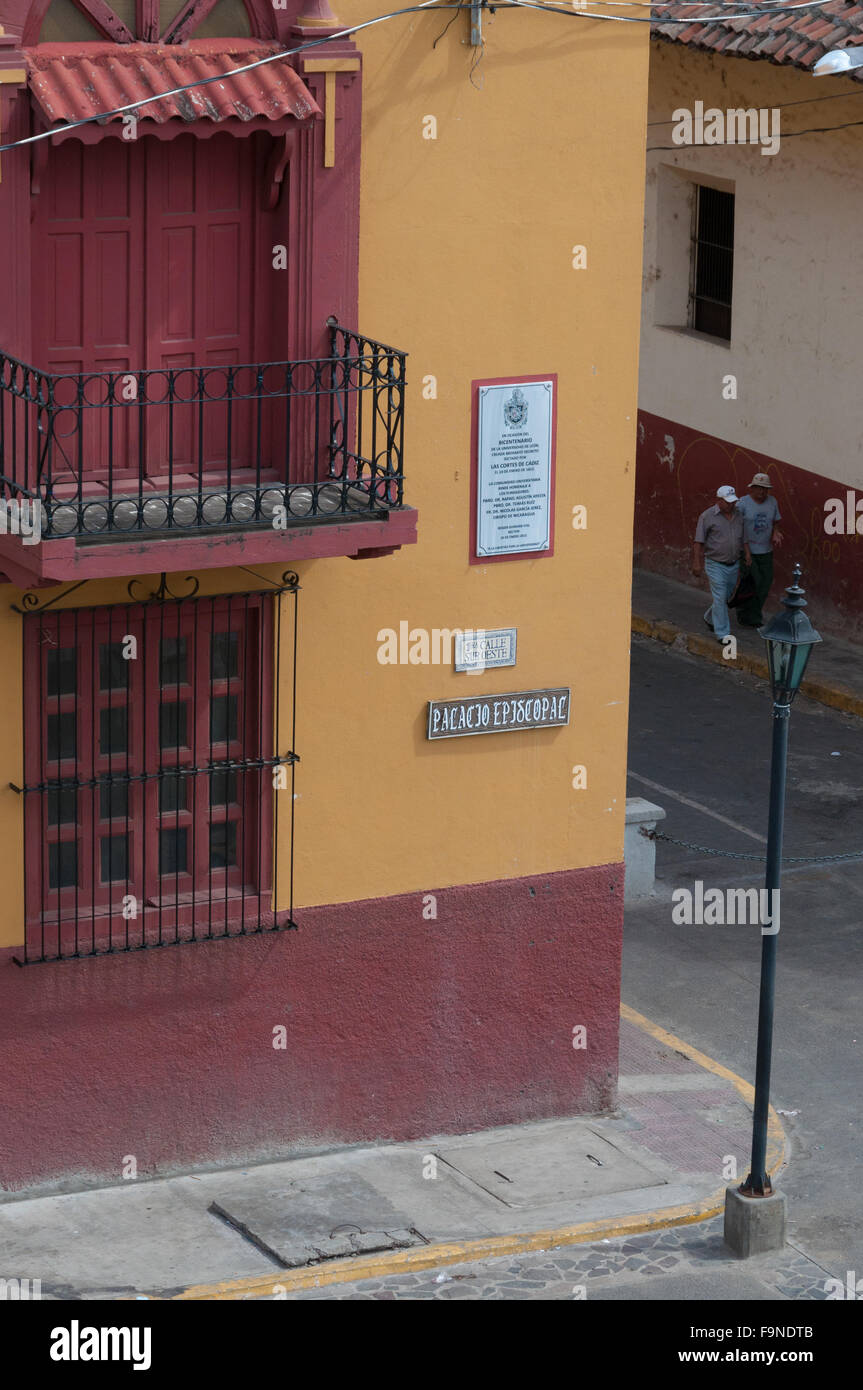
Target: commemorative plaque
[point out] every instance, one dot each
(514, 479)
(498, 714)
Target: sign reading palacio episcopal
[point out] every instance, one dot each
(498, 714)
(513, 468)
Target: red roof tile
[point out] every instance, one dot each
(94, 78)
(797, 38)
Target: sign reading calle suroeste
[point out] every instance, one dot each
(498, 714)
(484, 648)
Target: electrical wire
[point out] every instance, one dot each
(783, 135)
(804, 101)
(704, 19)
(231, 72)
(551, 8)
(446, 28)
(756, 12)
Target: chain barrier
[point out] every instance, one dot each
(761, 858)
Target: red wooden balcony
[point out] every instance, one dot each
(118, 473)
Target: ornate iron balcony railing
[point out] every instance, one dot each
(178, 449)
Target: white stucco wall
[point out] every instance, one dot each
(797, 316)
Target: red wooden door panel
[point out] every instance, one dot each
(145, 260)
(88, 297)
(200, 270)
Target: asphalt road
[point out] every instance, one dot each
(703, 734)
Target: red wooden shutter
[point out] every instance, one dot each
(200, 274)
(88, 294)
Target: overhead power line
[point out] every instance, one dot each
(551, 8)
(780, 106)
(783, 135)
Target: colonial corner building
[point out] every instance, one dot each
(293, 354)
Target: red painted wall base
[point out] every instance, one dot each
(397, 1026)
(677, 473)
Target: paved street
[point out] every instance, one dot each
(686, 1262)
(703, 732)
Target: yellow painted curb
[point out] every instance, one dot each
(460, 1252)
(777, 1145)
(823, 692)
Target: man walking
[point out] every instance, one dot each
(760, 513)
(717, 547)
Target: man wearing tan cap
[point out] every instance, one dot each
(760, 513)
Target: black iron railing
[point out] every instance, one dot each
(271, 444)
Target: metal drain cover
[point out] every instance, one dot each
(318, 1219)
(565, 1167)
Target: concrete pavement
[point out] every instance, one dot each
(673, 613)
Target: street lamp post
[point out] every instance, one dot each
(790, 638)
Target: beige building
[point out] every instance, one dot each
(751, 339)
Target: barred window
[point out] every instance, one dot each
(151, 797)
(712, 262)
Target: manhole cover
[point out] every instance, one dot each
(526, 1173)
(318, 1219)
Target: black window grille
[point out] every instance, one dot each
(158, 794)
(712, 262)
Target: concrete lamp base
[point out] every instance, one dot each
(754, 1225)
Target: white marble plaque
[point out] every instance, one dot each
(513, 495)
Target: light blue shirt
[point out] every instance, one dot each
(758, 519)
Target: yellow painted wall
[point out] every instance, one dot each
(466, 263)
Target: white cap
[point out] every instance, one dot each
(727, 494)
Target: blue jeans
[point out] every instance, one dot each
(722, 579)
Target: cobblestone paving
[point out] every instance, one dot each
(573, 1272)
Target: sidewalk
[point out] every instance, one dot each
(364, 1213)
(674, 613)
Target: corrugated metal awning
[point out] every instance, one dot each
(70, 84)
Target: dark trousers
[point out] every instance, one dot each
(762, 574)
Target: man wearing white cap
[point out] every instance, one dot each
(718, 543)
(760, 514)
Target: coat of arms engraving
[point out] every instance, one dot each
(515, 409)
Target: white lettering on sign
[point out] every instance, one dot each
(527, 709)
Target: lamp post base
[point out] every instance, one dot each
(754, 1225)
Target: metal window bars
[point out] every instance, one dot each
(712, 262)
(159, 770)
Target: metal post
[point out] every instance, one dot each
(476, 23)
(758, 1182)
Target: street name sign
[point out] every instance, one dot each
(498, 714)
(485, 648)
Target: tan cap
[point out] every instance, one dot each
(760, 480)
